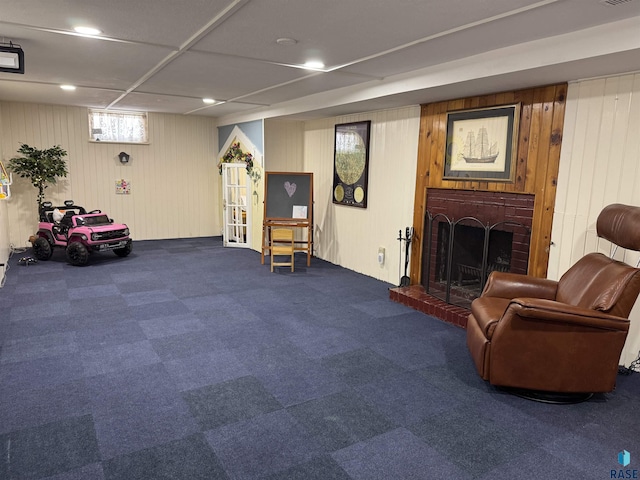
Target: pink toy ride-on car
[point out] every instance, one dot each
(79, 232)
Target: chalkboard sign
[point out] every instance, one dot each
(288, 196)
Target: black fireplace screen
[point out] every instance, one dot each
(459, 255)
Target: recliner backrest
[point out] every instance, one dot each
(600, 283)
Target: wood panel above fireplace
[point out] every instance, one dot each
(536, 168)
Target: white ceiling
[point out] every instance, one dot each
(166, 55)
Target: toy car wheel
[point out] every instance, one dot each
(77, 254)
(124, 251)
(42, 249)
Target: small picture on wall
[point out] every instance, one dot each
(482, 144)
(351, 164)
(123, 187)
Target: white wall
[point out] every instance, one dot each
(599, 165)
(284, 145)
(4, 236)
(4, 223)
(174, 180)
(284, 152)
(350, 236)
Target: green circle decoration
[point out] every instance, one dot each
(358, 194)
(350, 158)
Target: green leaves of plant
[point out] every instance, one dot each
(40, 166)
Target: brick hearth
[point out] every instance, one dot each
(415, 297)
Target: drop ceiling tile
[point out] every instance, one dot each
(148, 102)
(217, 76)
(317, 83)
(15, 91)
(229, 108)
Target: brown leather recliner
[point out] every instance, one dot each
(565, 336)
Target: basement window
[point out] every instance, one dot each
(118, 127)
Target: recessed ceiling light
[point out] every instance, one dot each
(68, 88)
(314, 64)
(286, 41)
(87, 30)
(208, 100)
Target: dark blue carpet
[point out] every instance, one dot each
(187, 360)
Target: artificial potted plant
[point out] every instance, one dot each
(41, 167)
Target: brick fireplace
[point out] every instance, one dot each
(467, 234)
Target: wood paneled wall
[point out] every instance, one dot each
(175, 185)
(599, 165)
(536, 169)
(284, 145)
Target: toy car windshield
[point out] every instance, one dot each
(93, 220)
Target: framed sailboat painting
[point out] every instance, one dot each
(482, 144)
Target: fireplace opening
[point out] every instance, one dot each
(467, 255)
(456, 265)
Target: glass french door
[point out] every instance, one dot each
(237, 212)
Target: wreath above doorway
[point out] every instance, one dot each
(235, 155)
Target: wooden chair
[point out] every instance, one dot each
(281, 244)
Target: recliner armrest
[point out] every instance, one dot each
(512, 285)
(550, 310)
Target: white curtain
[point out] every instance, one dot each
(118, 126)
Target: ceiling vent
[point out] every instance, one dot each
(613, 3)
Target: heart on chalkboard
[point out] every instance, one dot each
(290, 188)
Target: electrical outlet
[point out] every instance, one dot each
(381, 255)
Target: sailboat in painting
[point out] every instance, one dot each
(478, 150)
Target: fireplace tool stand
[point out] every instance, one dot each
(404, 280)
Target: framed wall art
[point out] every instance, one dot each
(123, 187)
(351, 163)
(482, 144)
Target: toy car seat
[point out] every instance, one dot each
(65, 223)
